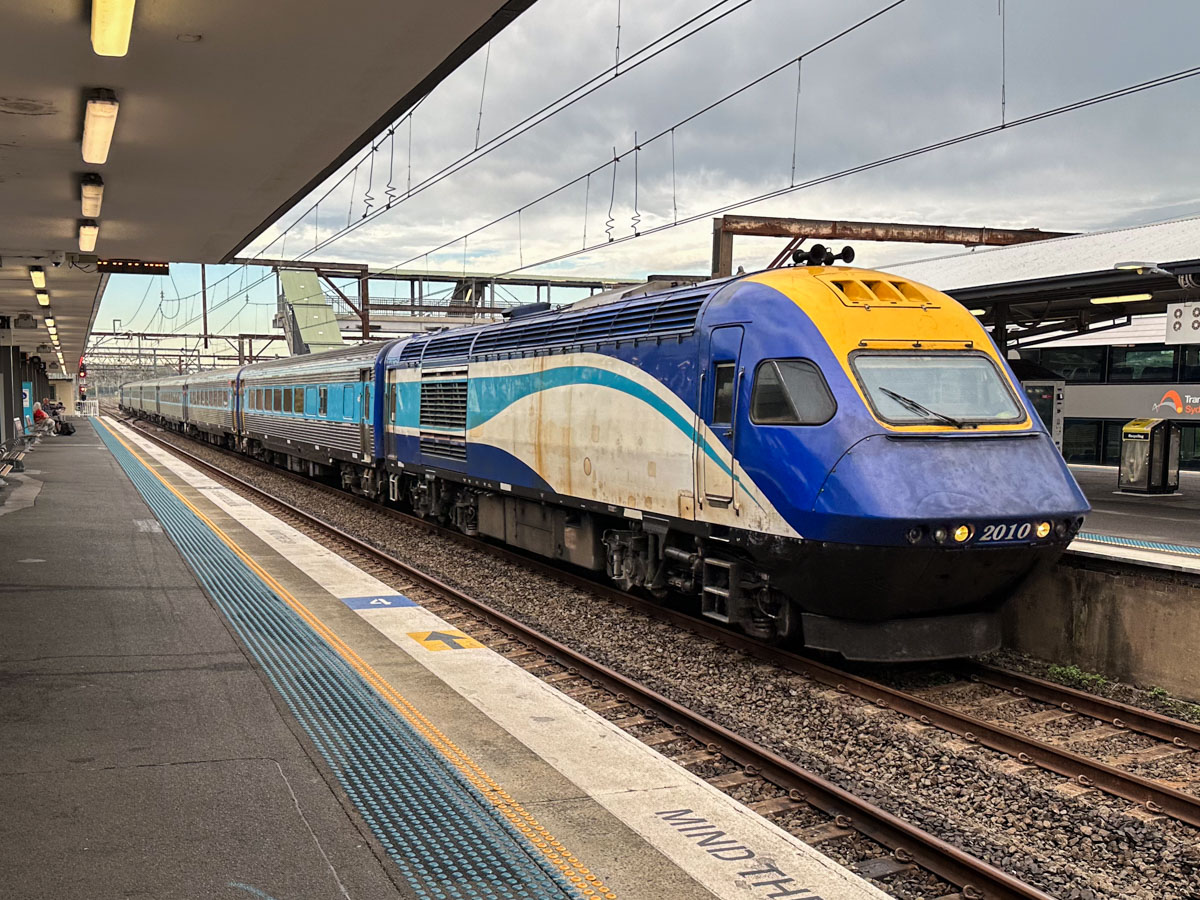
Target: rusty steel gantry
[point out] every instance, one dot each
(725, 227)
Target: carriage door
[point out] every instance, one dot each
(365, 433)
(719, 411)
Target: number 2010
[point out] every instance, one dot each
(1016, 531)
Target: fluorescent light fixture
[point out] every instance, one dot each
(49, 321)
(1126, 298)
(88, 232)
(38, 274)
(53, 331)
(1133, 266)
(112, 20)
(98, 124)
(978, 312)
(43, 298)
(91, 191)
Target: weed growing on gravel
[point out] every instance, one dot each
(1073, 676)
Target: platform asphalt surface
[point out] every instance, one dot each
(1173, 519)
(142, 754)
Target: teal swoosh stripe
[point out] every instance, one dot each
(488, 397)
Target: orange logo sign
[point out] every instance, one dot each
(1172, 399)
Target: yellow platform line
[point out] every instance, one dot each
(581, 878)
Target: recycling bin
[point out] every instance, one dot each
(1149, 457)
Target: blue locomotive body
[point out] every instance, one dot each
(834, 456)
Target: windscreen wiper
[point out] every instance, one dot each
(922, 410)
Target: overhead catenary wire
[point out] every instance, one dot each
(1119, 93)
(669, 131)
(643, 55)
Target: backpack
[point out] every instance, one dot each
(66, 428)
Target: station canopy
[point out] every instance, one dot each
(1077, 284)
(229, 113)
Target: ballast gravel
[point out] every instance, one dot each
(1027, 822)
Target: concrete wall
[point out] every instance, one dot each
(1126, 622)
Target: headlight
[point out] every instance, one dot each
(914, 534)
(1043, 529)
(939, 534)
(961, 533)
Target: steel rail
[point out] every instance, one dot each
(1122, 715)
(1153, 796)
(906, 841)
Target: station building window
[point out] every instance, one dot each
(1081, 441)
(1146, 363)
(1189, 364)
(1077, 365)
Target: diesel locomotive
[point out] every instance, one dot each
(825, 455)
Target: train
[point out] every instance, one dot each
(827, 456)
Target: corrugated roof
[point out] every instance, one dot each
(1178, 239)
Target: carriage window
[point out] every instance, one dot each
(723, 393)
(790, 392)
(323, 409)
(298, 401)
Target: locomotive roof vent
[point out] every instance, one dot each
(879, 293)
(528, 309)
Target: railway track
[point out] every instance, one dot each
(1153, 797)
(688, 737)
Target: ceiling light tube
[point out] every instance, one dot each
(43, 298)
(91, 190)
(978, 312)
(38, 274)
(99, 122)
(112, 20)
(49, 321)
(1126, 298)
(88, 232)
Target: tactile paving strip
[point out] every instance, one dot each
(445, 836)
(1136, 544)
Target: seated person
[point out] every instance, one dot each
(42, 420)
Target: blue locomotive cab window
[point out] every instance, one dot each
(957, 388)
(790, 392)
(723, 378)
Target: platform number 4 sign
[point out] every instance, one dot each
(378, 601)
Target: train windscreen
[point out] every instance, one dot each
(927, 388)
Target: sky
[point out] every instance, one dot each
(921, 72)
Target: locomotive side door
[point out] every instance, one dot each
(718, 408)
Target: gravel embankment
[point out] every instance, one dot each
(1027, 823)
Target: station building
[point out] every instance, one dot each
(1111, 314)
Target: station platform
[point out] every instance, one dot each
(198, 700)
(1157, 530)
